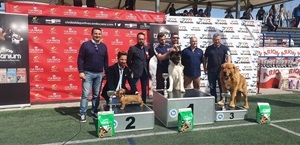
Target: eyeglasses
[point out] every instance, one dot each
(96, 47)
(175, 37)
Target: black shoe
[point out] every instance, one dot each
(82, 118)
(94, 115)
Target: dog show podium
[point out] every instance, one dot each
(227, 113)
(166, 108)
(132, 118)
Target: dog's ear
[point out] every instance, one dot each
(235, 69)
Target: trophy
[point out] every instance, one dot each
(165, 76)
(110, 93)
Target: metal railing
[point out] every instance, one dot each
(280, 39)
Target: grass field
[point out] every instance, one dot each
(61, 126)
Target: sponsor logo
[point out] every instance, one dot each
(188, 36)
(130, 34)
(206, 36)
(117, 42)
(117, 33)
(210, 29)
(101, 14)
(36, 78)
(36, 59)
(69, 12)
(255, 31)
(35, 10)
(37, 96)
(186, 20)
(243, 30)
(35, 20)
(252, 90)
(255, 60)
(205, 44)
(70, 50)
(70, 59)
(248, 37)
(233, 52)
(235, 37)
(36, 49)
(254, 75)
(234, 22)
(37, 87)
(288, 52)
(253, 84)
(223, 36)
(172, 20)
(87, 32)
(242, 45)
(131, 25)
(35, 30)
(242, 60)
(53, 68)
(70, 40)
(131, 42)
(71, 87)
(247, 68)
(227, 29)
(53, 30)
(131, 17)
(248, 23)
(145, 26)
(254, 45)
(221, 21)
(70, 31)
(53, 21)
(228, 44)
(117, 15)
(71, 77)
(246, 75)
(245, 52)
(271, 52)
(159, 18)
(203, 21)
(71, 69)
(54, 78)
(53, 40)
(16, 8)
(256, 52)
(53, 59)
(54, 96)
(182, 28)
(53, 11)
(85, 13)
(37, 69)
(36, 39)
(53, 49)
(54, 87)
(196, 29)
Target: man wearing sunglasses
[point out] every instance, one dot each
(92, 61)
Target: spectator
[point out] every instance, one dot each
(201, 13)
(90, 3)
(260, 14)
(244, 16)
(77, 3)
(296, 14)
(130, 4)
(207, 11)
(185, 13)
(270, 23)
(229, 15)
(282, 15)
(247, 14)
(172, 10)
(273, 11)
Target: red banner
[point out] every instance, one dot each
(55, 35)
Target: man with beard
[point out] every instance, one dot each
(163, 51)
(137, 61)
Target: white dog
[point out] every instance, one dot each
(175, 70)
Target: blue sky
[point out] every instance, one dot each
(218, 13)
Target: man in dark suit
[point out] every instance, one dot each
(117, 75)
(138, 60)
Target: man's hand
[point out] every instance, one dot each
(82, 76)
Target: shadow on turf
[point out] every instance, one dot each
(70, 111)
(274, 102)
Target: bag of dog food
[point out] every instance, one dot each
(263, 113)
(106, 125)
(185, 120)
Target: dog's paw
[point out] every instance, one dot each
(182, 90)
(221, 102)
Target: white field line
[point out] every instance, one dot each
(286, 130)
(173, 132)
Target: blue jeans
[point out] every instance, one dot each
(144, 82)
(92, 81)
(213, 77)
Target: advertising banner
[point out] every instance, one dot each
(55, 36)
(240, 36)
(14, 66)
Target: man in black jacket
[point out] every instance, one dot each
(117, 75)
(138, 59)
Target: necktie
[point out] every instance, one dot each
(120, 78)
